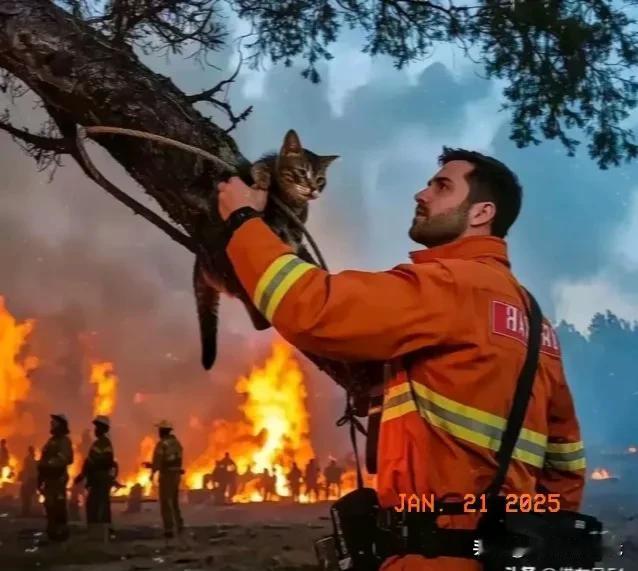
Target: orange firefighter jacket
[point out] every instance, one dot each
(460, 313)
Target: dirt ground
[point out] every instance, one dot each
(246, 537)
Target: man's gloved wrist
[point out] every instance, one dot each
(238, 217)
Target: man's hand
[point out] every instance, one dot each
(236, 194)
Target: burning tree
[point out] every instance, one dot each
(105, 381)
(564, 66)
(275, 429)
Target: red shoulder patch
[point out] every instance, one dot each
(511, 321)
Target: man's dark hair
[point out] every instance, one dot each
(490, 181)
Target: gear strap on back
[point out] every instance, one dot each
(521, 396)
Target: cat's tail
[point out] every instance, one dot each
(207, 299)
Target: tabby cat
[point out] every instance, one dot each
(296, 176)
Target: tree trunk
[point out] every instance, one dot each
(92, 83)
(81, 77)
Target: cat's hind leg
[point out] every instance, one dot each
(207, 299)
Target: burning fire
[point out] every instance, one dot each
(14, 382)
(8, 473)
(103, 376)
(600, 474)
(143, 475)
(14, 371)
(274, 432)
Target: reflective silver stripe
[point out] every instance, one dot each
(568, 456)
(461, 421)
(279, 277)
(275, 282)
(492, 432)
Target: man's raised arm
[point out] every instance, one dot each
(351, 315)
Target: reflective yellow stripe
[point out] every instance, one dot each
(477, 414)
(268, 275)
(566, 456)
(398, 410)
(569, 465)
(290, 280)
(276, 281)
(563, 447)
(461, 421)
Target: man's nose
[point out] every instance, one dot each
(422, 195)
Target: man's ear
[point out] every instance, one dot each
(482, 213)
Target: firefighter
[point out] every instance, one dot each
(244, 479)
(229, 485)
(451, 326)
(294, 481)
(167, 460)
(311, 479)
(28, 482)
(55, 458)
(265, 485)
(217, 479)
(98, 471)
(332, 476)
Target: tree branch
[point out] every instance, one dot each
(208, 93)
(84, 161)
(58, 145)
(208, 96)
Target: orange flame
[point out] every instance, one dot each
(600, 474)
(8, 473)
(141, 476)
(14, 371)
(103, 376)
(274, 432)
(14, 383)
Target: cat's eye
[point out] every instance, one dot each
(320, 180)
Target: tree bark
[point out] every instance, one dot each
(84, 80)
(80, 74)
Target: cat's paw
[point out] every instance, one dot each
(260, 173)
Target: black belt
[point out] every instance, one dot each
(418, 533)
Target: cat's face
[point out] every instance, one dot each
(301, 174)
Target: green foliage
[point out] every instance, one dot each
(567, 64)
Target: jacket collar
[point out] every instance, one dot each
(468, 248)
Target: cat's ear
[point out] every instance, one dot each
(327, 160)
(292, 144)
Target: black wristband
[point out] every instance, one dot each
(237, 218)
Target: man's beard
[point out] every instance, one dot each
(442, 228)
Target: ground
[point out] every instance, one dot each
(249, 537)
